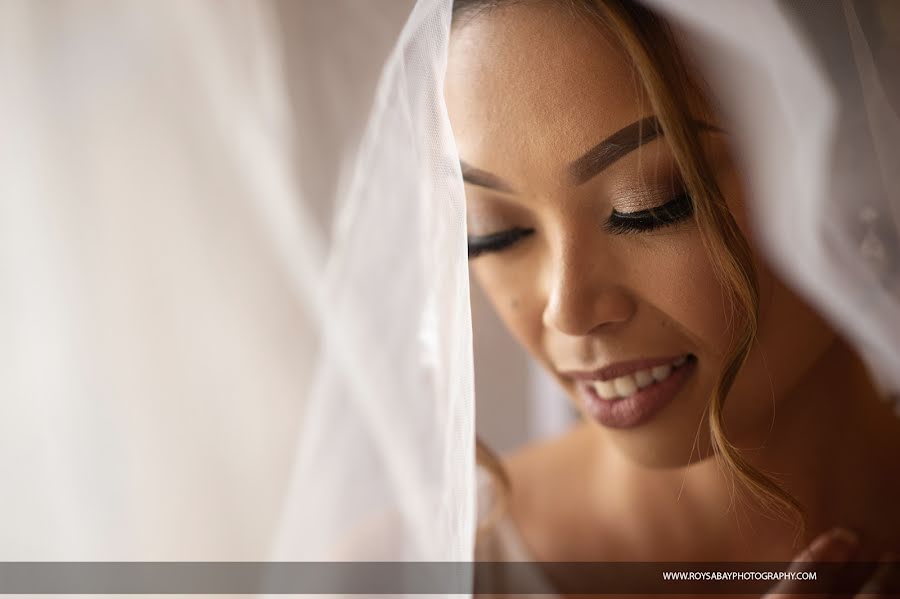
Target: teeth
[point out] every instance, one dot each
(660, 373)
(606, 389)
(643, 378)
(624, 386)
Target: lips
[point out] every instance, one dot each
(626, 384)
(622, 402)
(618, 369)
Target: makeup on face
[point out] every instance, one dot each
(630, 394)
(640, 202)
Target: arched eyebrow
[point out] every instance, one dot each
(618, 145)
(614, 147)
(592, 162)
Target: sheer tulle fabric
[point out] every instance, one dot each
(233, 271)
(233, 280)
(811, 91)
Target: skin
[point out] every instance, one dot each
(529, 89)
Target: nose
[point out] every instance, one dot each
(586, 291)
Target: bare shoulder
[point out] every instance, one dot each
(536, 466)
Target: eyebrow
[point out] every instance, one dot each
(614, 147)
(592, 162)
(476, 176)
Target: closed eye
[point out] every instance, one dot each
(676, 210)
(481, 244)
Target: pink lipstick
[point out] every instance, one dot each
(640, 405)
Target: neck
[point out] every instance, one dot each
(832, 441)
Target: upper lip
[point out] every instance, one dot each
(620, 368)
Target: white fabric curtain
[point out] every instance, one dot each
(233, 289)
(385, 466)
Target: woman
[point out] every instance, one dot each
(608, 226)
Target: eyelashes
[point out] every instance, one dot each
(678, 209)
(495, 242)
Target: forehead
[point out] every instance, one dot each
(532, 86)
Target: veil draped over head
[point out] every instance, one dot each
(812, 93)
(234, 301)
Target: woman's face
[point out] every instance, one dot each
(531, 90)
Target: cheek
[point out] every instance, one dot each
(677, 281)
(791, 336)
(515, 298)
(668, 277)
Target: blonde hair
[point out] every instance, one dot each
(677, 98)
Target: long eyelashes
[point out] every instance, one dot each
(495, 241)
(676, 210)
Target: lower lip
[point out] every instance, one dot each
(639, 407)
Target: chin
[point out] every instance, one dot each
(675, 438)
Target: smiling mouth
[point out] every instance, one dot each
(627, 385)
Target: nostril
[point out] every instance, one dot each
(577, 309)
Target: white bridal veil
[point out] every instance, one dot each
(234, 302)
